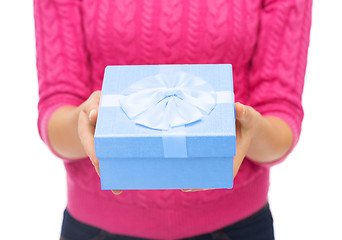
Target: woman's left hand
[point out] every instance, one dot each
(247, 121)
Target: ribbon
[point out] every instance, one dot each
(168, 100)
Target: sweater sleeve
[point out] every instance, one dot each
(278, 66)
(62, 65)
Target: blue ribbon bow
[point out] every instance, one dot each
(168, 100)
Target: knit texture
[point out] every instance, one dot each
(266, 41)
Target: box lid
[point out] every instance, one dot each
(117, 135)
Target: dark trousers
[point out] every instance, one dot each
(259, 226)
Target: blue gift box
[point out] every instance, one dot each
(166, 127)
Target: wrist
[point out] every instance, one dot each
(62, 132)
(271, 140)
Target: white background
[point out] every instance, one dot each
(305, 193)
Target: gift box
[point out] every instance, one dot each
(166, 127)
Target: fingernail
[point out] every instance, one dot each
(91, 113)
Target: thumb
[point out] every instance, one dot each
(93, 115)
(240, 111)
(92, 106)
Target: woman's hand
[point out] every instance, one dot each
(247, 120)
(247, 123)
(86, 128)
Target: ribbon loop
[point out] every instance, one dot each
(168, 100)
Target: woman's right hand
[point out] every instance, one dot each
(86, 128)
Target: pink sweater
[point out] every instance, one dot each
(266, 41)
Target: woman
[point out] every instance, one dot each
(265, 41)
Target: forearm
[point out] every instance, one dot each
(271, 140)
(63, 132)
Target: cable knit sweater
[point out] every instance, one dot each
(266, 41)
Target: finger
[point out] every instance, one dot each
(240, 111)
(93, 115)
(187, 190)
(116, 192)
(86, 133)
(196, 190)
(92, 106)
